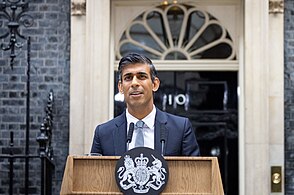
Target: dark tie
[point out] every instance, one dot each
(140, 137)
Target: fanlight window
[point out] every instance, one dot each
(177, 32)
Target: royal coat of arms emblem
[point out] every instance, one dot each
(142, 173)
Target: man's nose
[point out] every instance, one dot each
(135, 81)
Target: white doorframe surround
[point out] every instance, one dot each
(77, 77)
(256, 103)
(261, 101)
(90, 73)
(276, 86)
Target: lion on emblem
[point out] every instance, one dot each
(126, 173)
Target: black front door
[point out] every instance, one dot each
(210, 101)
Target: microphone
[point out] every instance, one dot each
(162, 137)
(130, 134)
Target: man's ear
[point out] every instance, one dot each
(156, 83)
(119, 86)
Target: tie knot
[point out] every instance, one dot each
(140, 124)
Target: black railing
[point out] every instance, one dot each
(45, 154)
(46, 150)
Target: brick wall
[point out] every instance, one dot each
(50, 44)
(289, 96)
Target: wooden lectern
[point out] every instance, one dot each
(187, 176)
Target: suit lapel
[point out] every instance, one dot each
(160, 119)
(120, 135)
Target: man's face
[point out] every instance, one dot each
(137, 86)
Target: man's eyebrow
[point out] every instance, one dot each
(140, 73)
(128, 74)
(145, 73)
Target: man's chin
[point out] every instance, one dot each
(137, 105)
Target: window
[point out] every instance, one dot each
(177, 32)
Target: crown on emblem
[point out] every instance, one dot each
(141, 161)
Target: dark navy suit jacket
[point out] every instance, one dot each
(110, 137)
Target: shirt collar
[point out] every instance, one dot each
(148, 120)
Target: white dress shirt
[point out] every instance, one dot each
(148, 131)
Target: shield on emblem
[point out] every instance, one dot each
(141, 171)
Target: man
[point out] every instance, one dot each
(137, 82)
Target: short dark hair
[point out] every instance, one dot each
(134, 58)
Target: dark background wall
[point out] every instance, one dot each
(50, 70)
(50, 49)
(289, 96)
